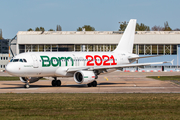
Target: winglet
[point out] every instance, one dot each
(172, 61)
(169, 61)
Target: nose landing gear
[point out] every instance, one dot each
(27, 84)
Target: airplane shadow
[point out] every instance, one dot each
(16, 86)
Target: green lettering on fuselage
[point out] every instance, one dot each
(46, 61)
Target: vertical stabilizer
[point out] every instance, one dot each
(126, 43)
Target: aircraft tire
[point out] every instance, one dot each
(94, 84)
(58, 83)
(89, 85)
(26, 86)
(53, 83)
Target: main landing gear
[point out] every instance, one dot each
(56, 82)
(92, 84)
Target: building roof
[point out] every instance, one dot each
(95, 37)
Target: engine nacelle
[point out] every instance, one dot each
(84, 77)
(31, 79)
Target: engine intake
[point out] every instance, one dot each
(84, 77)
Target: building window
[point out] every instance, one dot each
(77, 48)
(54, 48)
(160, 49)
(34, 48)
(21, 48)
(107, 48)
(90, 48)
(47, 48)
(141, 49)
(28, 48)
(134, 49)
(173, 49)
(41, 48)
(167, 49)
(154, 49)
(113, 47)
(148, 49)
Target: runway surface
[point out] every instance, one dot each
(115, 82)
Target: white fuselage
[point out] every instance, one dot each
(53, 64)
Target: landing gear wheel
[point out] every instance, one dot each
(53, 83)
(89, 85)
(58, 83)
(94, 83)
(26, 86)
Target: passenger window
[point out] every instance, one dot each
(15, 60)
(24, 60)
(20, 60)
(11, 60)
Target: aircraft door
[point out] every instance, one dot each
(35, 61)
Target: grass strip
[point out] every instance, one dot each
(165, 78)
(90, 106)
(11, 78)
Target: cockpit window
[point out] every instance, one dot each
(20, 60)
(15, 60)
(24, 60)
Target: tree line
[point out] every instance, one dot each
(58, 28)
(143, 27)
(122, 27)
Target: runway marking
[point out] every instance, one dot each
(106, 78)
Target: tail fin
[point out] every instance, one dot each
(127, 40)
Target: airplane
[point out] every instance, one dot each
(83, 66)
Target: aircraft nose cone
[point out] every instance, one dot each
(9, 69)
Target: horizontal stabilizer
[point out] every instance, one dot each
(130, 58)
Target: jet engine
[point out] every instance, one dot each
(31, 79)
(84, 77)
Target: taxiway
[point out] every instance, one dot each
(115, 82)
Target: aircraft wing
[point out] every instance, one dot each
(115, 66)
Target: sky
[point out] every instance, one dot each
(103, 15)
